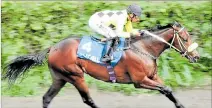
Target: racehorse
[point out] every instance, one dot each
(137, 65)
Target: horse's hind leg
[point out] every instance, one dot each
(76, 77)
(81, 86)
(57, 84)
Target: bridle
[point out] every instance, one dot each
(184, 50)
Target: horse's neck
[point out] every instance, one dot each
(153, 46)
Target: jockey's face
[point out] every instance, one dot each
(133, 18)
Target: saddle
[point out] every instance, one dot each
(93, 49)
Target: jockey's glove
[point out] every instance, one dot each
(142, 32)
(137, 33)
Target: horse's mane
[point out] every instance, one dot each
(159, 27)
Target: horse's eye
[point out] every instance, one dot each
(185, 40)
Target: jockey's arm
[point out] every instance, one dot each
(129, 32)
(120, 30)
(134, 33)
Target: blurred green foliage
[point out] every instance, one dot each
(28, 27)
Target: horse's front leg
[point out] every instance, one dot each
(156, 85)
(167, 92)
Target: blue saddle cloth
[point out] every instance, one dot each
(92, 49)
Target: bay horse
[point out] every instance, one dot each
(137, 66)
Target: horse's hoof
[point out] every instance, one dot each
(180, 106)
(94, 106)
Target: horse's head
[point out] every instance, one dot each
(182, 41)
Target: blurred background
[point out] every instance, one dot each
(29, 27)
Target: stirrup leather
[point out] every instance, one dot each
(128, 46)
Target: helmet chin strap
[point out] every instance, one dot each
(132, 17)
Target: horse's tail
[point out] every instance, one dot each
(21, 64)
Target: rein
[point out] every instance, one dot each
(175, 35)
(161, 39)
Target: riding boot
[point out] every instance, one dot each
(107, 57)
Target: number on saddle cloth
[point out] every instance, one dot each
(93, 49)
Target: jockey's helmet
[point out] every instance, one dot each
(135, 9)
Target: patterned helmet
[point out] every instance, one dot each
(135, 9)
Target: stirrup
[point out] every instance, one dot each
(126, 48)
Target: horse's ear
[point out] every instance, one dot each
(175, 24)
(172, 24)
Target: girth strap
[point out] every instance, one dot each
(111, 72)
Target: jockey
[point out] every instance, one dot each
(114, 24)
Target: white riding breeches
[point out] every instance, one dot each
(101, 28)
